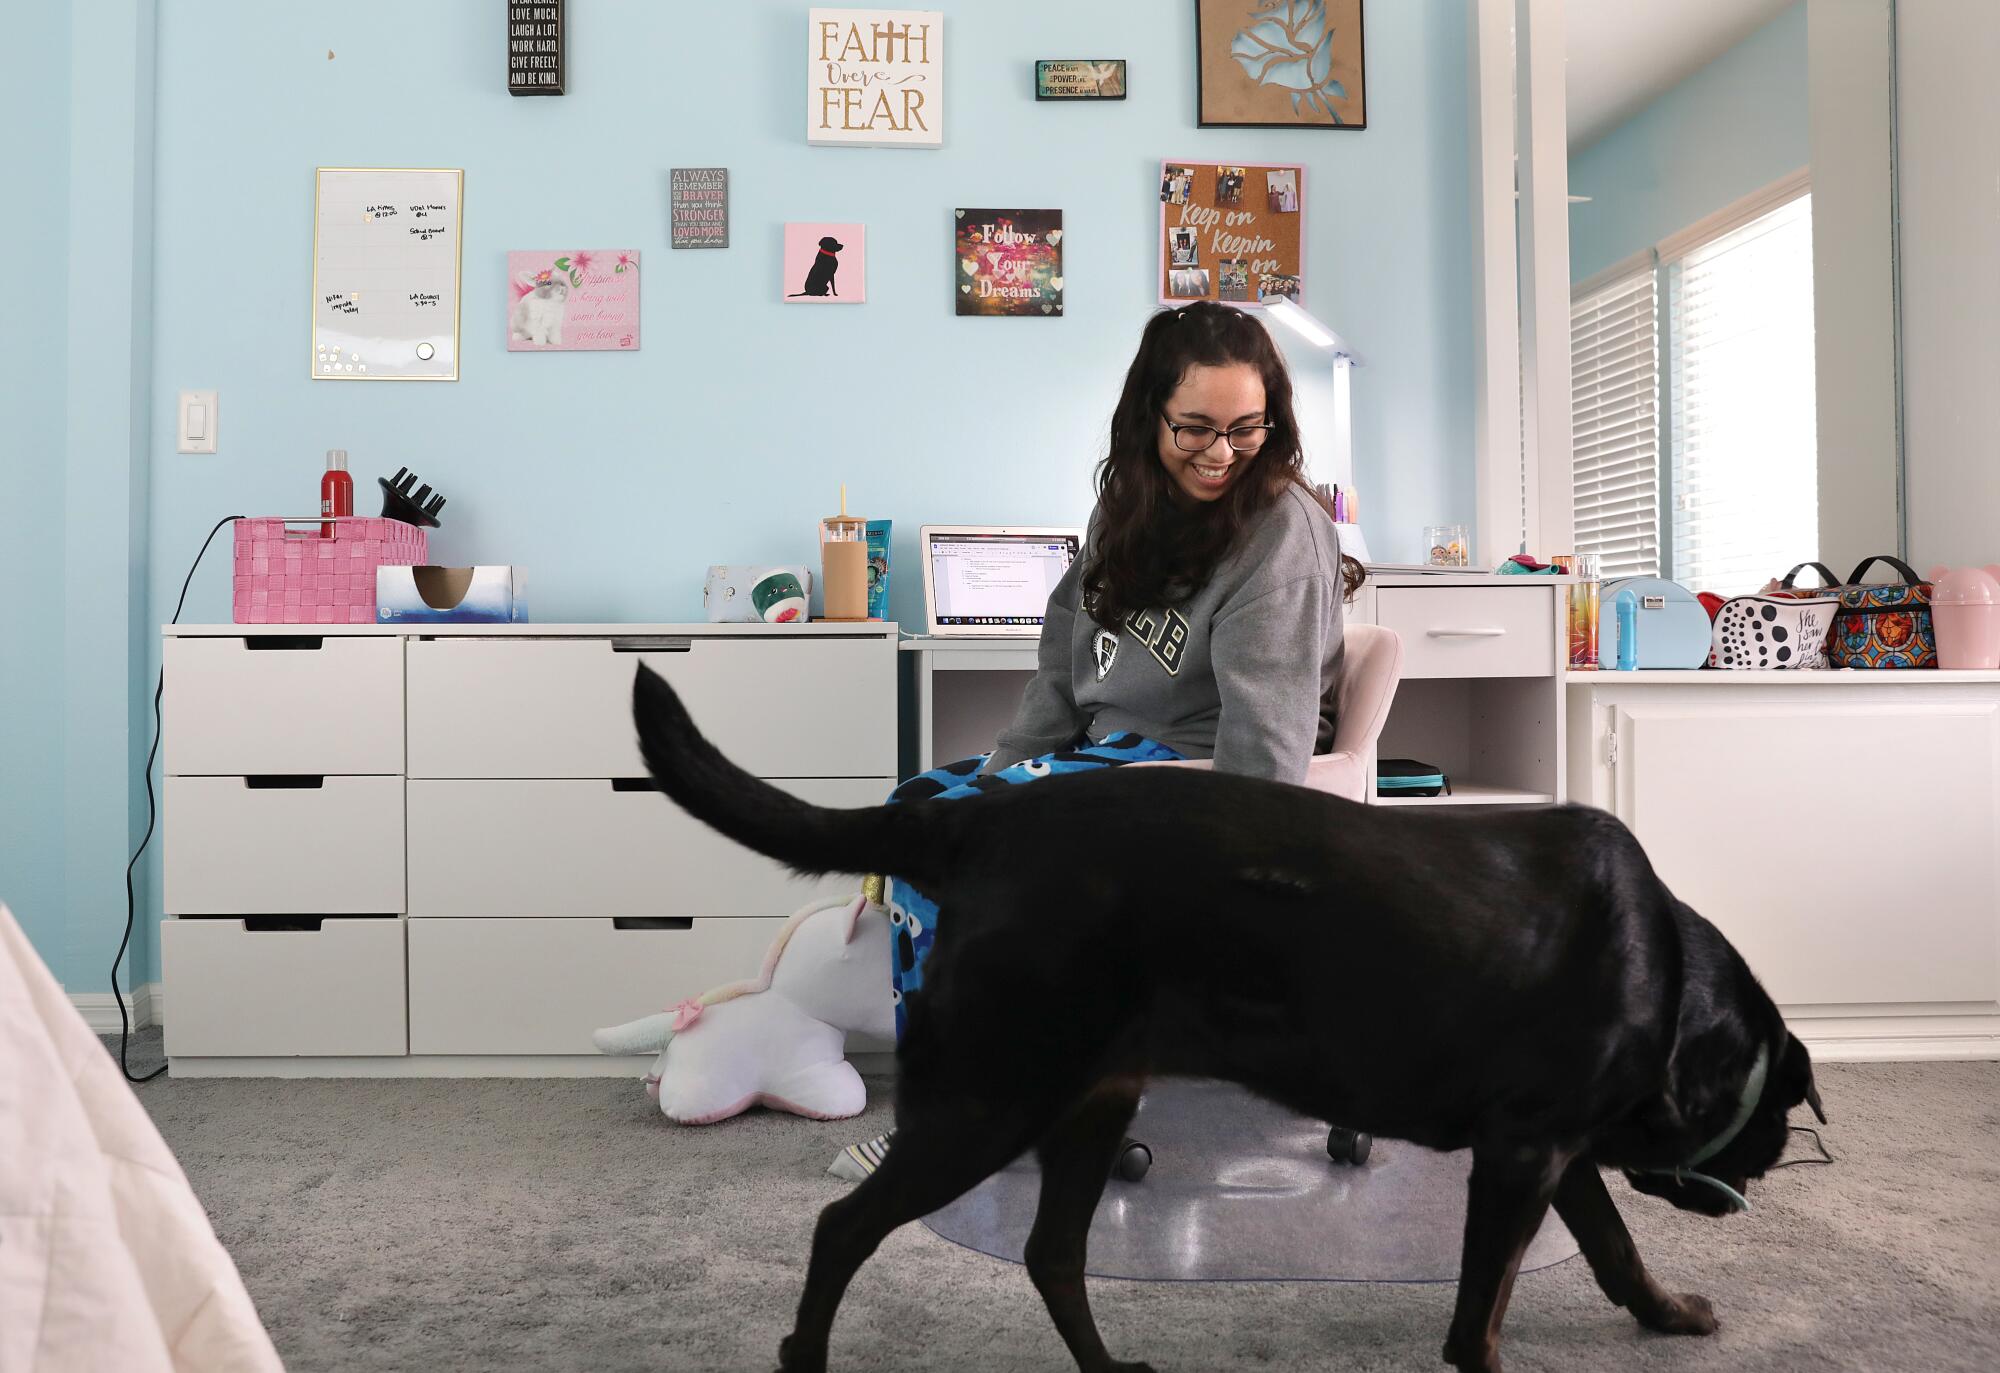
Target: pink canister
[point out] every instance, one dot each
(1965, 606)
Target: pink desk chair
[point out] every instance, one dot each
(1370, 668)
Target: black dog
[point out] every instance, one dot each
(819, 281)
(1521, 984)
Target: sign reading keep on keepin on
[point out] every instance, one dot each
(875, 78)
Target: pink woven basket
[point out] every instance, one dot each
(296, 577)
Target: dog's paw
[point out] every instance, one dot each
(795, 1357)
(1485, 1359)
(1686, 1314)
(1136, 1367)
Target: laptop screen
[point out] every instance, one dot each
(997, 580)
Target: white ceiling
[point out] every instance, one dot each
(1623, 53)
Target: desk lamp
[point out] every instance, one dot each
(1301, 322)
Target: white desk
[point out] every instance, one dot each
(966, 692)
(1481, 695)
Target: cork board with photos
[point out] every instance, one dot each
(1231, 231)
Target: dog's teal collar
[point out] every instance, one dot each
(1753, 1092)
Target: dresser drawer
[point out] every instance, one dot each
(528, 986)
(583, 848)
(282, 703)
(268, 988)
(242, 846)
(1472, 631)
(520, 707)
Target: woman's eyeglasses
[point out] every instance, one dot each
(1199, 438)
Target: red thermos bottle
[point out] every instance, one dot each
(336, 489)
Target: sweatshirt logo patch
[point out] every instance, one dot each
(1104, 649)
(1165, 635)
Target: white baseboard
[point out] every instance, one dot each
(1831, 1040)
(145, 1006)
(1902, 1048)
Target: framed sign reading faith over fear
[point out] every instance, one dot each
(1232, 231)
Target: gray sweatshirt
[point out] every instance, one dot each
(1242, 672)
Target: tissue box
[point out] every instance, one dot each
(756, 592)
(449, 595)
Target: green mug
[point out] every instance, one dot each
(778, 597)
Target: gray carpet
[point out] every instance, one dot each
(419, 1225)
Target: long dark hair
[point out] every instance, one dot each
(1148, 549)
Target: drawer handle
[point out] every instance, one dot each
(652, 922)
(659, 643)
(1465, 633)
(281, 924)
(277, 643)
(634, 784)
(287, 781)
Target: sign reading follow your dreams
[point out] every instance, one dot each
(1009, 262)
(875, 78)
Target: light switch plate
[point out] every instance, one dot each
(195, 427)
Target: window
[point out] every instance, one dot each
(1614, 409)
(1702, 465)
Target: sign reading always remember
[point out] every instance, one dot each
(1231, 231)
(699, 205)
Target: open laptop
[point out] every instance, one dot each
(993, 581)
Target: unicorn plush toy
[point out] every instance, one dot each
(778, 1040)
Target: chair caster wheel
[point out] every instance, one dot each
(1348, 1146)
(1134, 1160)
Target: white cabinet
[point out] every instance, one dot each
(586, 847)
(807, 705)
(540, 986)
(1842, 829)
(393, 851)
(281, 703)
(277, 844)
(268, 987)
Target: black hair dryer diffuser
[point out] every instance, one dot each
(419, 507)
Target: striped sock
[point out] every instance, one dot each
(857, 1162)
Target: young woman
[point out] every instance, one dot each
(1203, 619)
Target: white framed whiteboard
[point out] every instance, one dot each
(386, 269)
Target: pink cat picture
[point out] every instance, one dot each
(575, 301)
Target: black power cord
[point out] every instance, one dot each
(152, 814)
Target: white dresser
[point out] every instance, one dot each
(1841, 828)
(435, 850)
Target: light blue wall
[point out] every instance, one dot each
(1738, 124)
(34, 107)
(615, 479)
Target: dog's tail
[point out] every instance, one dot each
(807, 838)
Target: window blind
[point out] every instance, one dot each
(1743, 436)
(1614, 411)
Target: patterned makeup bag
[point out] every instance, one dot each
(1886, 625)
